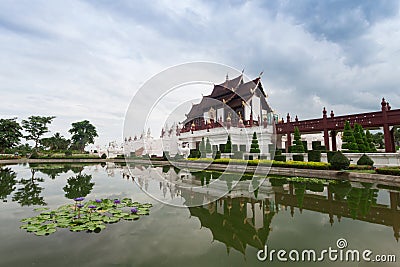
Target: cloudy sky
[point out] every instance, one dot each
(86, 59)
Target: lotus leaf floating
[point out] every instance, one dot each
(92, 216)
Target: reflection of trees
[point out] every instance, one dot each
(78, 186)
(54, 170)
(7, 182)
(29, 194)
(360, 200)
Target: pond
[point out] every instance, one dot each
(282, 214)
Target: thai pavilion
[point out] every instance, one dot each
(234, 108)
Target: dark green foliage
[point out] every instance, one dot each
(222, 148)
(316, 145)
(278, 152)
(254, 144)
(194, 153)
(36, 126)
(370, 141)
(68, 153)
(360, 138)
(228, 145)
(218, 155)
(104, 156)
(280, 157)
(322, 148)
(389, 171)
(10, 134)
(34, 155)
(7, 182)
(83, 133)
(298, 144)
(55, 143)
(314, 156)
(290, 149)
(378, 140)
(78, 186)
(298, 157)
(305, 145)
(208, 146)
(365, 160)
(339, 161)
(349, 143)
(329, 155)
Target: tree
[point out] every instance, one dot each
(208, 146)
(228, 146)
(56, 143)
(254, 144)
(298, 144)
(36, 127)
(202, 148)
(10, 133)
(359, 137)
(7, 182)
(370, 141)
(83, 133)
(348, 142)
(378, 140)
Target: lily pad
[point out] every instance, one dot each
(83, 219)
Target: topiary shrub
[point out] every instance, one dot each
(254, 144)
(194, 153)
(298, 157)
(280, 158)
(218, 155)
(339, 161)
(365, 160)
(314, 156)
(329, 155)
(104, 156)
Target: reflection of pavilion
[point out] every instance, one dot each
(243, 218)
(237, 222)
(334, 204)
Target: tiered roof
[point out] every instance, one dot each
(232, 93)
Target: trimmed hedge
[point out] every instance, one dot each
(339, 161)
(314, 156)
(329, 155)
(365, 160)
(275, 163)
(389, 171)
(298, 157)
(280, 158)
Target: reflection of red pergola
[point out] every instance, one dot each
(385, 118)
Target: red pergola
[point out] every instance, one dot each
(385, 118)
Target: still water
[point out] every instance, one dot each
(229, 231)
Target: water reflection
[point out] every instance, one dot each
(8, 180)
(78, 186)
(30, 192)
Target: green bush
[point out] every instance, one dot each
(298, 157)
(339, 161)
(104, 156)
(316, 145)
(329, 155)
(278, 152)
(68, 153)
(34, 155)
(314, 156)
(298, 144)
(365, 160)
(194, 153)
(280, 158)
(218, 155)
(254, 144)
(389, 171)
(121, 156)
